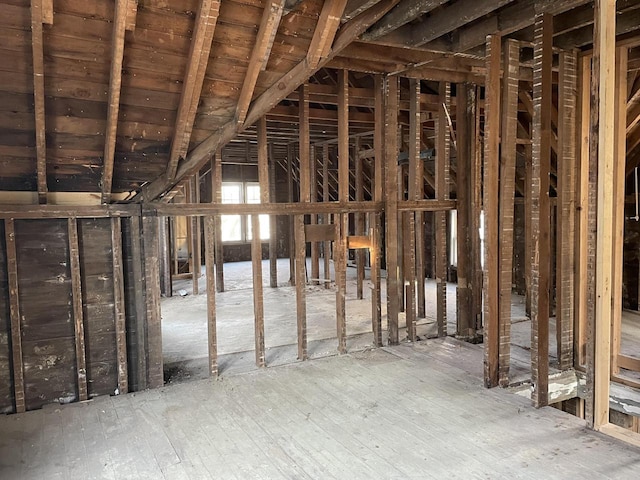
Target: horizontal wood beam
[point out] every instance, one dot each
(59, 211)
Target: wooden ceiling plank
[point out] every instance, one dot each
(260, 55)
(325, 31)
(193, 80)
(400, 16)
(449, 18)
(349, 31)
(113, 108)
(37, 18)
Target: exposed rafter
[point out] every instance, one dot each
(194, 77)
(113, 108)
(400, 16)
(260, 55)
(325, 31)
(280, 89)
(41, 12)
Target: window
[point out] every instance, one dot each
(237, 228)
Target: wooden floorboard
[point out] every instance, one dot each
(409, 411)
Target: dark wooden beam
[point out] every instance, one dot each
(260, 55)
(78, 313)
(37, 18)
(113, 102)
(119, 305)
(490, 207)
(401, 15)
(192, 86)
(540, 211)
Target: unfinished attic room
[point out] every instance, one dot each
(316, 239)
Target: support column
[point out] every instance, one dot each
(540, 210)
(490, 207)
(440, 218)
(273, 223)
(391, 204)
(211, 296)
(507, 195)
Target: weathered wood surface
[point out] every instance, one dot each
(6, 384)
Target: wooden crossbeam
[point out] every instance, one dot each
(39, 14)
(113, 108)
(260, 55)
(325, 31)
(192, 86)
(280, 89)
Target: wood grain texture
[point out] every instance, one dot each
(300, 279)
(509, 133)
(258, 299)
(490, 208)
(119, 304)
(155, 377)
(38, 16)
(391, 204)
(212, 334)
(540, 209)
(78, 316)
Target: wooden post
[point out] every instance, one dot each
(301, 305)
(219, 252)
(16, 328)
(340, 259)
(620, 152)
(292, 235)
(165, 257)
(211, 295)
(360, 219)
(391, 204)
(326, 250)
(490, 207)
(194, 226)
(343, 136)
(477, 289)
(140, 326)
(376, 256)
(416, 190)
(566, 208)
(604, 45)
(315, 250)
(305, 154)
(78, 314)
(540, 210)
(273, 223)
(118, 303)
(582, 211)
(507, 194)
(258, 300)
(155, 376)
(440, 218)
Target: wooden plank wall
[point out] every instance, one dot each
(46, 312)
(79, 310)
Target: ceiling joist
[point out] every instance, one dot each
(325, 31)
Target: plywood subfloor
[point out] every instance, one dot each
(411, 411)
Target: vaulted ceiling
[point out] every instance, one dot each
(124, 96)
